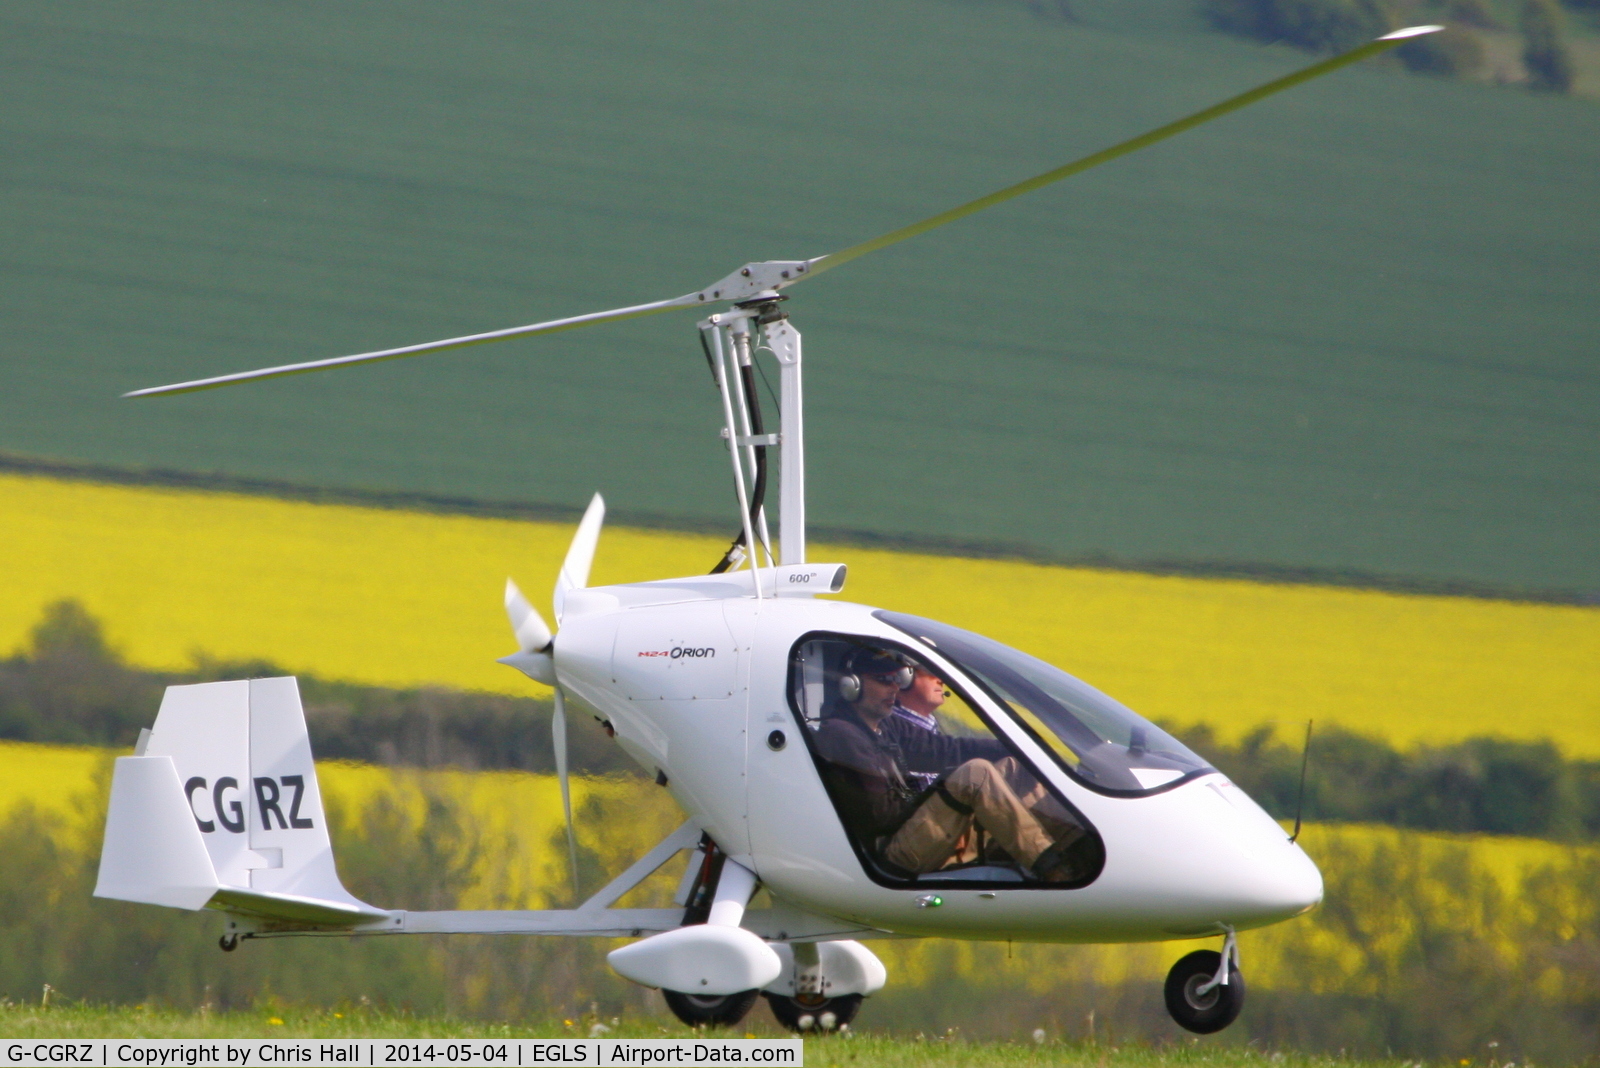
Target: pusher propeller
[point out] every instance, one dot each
(535, 655)
(533, 633)
(756, 279)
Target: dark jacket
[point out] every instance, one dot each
(869, 774)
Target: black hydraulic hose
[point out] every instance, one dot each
(704, 889)
(758, 492)
(727, 557)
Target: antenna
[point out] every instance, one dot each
(1300, 801)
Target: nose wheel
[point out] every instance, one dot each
(1204, 995)
(811, 1013)
(710, 1010)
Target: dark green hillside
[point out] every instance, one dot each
(1350, 330)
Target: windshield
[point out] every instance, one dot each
(1101, 742)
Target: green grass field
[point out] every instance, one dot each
(864, 1048)
(1349, 330)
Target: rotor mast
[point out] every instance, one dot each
(784, 341)
(731, 348)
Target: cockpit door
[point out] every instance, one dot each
(799, 844)
(682, 675)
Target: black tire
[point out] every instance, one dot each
(807, 1013)
(1207, 1013)
(711, 1010)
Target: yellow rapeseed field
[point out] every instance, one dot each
(400, 598)
(53, 778)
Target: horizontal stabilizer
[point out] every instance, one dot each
(292, 908)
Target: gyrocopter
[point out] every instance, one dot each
(880, 775)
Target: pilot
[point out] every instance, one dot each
(872, 755)
(918, 702)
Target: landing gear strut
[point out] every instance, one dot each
(1205, 990)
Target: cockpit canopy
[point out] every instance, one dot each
(932, 787)
(928, 791)
(1097, 740)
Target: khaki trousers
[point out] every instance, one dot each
(1002, 797)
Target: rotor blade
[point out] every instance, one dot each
(1105, 155)
(551, 327)
(558, 739)
(580, 555)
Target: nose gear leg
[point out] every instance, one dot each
(1230, 962)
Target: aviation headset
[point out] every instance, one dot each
(850, 681)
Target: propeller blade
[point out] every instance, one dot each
(551, 327)
(558, 738)
(533, 633)
(575, 568)
(1105, 155)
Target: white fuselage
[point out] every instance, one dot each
(693, 675)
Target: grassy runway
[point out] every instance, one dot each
(862, 1048)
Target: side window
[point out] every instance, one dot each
(928, 793)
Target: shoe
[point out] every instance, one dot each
(1063, 862)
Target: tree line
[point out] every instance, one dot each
(1480, 785)
(68, 686)
(1336, 25)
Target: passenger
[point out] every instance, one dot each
(918, 703)
(872, 754)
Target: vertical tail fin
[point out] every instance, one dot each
(242, 776)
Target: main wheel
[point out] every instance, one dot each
(813, 1012)
(1213, 1010)
(710, 1010)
